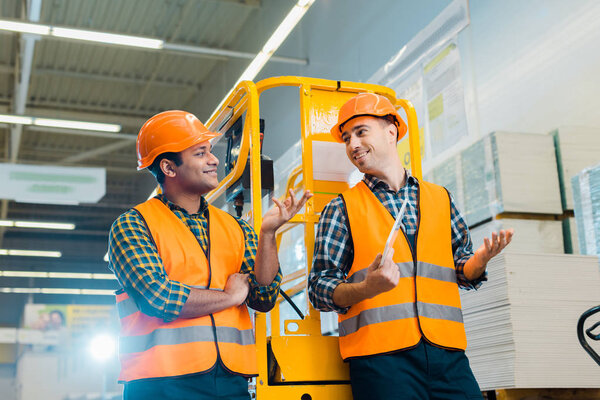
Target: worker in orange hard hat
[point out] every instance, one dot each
(187, 271)
(400, 319)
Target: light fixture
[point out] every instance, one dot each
(36, 224)
(24, 274)
(109, 38)
(102, 347)
(30, 253)
(16, 119)
(270, 47)
(24, 27)
(81, 34)
(94, 292)
(59, 123)
(58, 275)
(86, 126)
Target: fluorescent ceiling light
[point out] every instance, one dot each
(60, 291)
(24, 274)
(88, 126)
(101, 292)
(59, 123)
(58, 275)
(270, 47)
(4, 222)
(40, 225)
(24, 290)
(16, 119)
(24, 27)
(110, 38)
(30, 253)
(103, 276)
(69, 275)
(81, 34)
(97, 292)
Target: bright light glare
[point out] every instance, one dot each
(30, 253)
(271, 45)
(102, 347)
(88, 126)
(15, 119)
(44, 225)
(110, 38)
(24, 27)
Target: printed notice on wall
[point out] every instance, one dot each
(444, 99)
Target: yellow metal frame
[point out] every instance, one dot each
(309, 365)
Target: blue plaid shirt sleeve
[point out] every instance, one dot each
(135, 261)
(260, 298)
(332, 256)
(462, 249)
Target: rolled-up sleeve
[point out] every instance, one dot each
(134, 259)
(261, 298)
(462, 248)
(332, 257)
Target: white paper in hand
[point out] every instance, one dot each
(393, 233)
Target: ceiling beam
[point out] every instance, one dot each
(22, 80)
(96, 152)
(191, 49)
(117, 79)
(115, 111)
(247, 3)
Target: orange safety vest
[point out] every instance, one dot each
(425, 303)
(150, 347)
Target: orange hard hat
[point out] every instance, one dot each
(367, 104)
(169, 131)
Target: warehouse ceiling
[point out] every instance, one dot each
(86, 81)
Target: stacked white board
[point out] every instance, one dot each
(586, 197)
(570, 236)
(521, 324)
(577, 147)
(530, 235)
(503, 172)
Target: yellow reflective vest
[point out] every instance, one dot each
(425, 303)
(152, 348)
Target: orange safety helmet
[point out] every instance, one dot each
(169, 131)
(367, 104)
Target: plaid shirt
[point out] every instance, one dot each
(334, 249)
(135, 261)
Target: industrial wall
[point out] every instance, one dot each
(532, 63)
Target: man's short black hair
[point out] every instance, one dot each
(155, 167)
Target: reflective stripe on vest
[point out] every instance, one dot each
(189, 334)
(399, 311)
(152, 348)
(426, 301)
(424, 270)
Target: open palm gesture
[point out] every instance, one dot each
(283, 212)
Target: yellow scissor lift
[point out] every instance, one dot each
(299, 363)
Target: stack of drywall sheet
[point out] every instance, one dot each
(576, 148)
(503, 172)
(521, 324)
(531, 235)
(447, 174)
(586, 197)
(570, 236)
